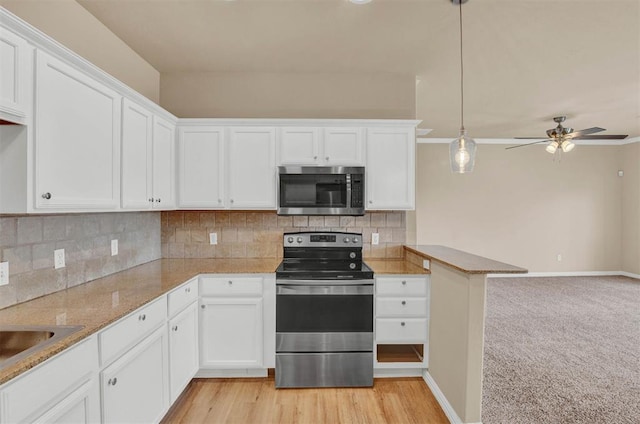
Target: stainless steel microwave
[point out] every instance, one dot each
(321, 190)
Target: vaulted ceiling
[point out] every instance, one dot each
(525, 60)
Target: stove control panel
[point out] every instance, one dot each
(322, 239)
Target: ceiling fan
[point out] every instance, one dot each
(562, 137)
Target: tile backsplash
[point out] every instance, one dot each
(28, 242)
(244, 234)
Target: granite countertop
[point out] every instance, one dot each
(463, 261)
(101, 302)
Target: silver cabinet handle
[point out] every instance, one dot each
(404, 302)
(47, 196)
(402, 323)
(175, 328)
(112, 381)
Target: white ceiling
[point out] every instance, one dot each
(525, 60)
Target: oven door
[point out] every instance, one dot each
(324, 316)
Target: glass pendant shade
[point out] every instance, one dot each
(462, 153)
(552, 147)
(567, 146)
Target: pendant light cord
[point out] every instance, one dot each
(461, 74)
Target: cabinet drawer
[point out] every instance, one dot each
(116, 339)
(182, 296)
(401, 307)
(28, 396)
(231, 286)
(402, 330)
(401, 286)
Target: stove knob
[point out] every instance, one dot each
(352, 255)
(347, 240)
(299, 240)
(355, 239)
(352, 265)
(290, 240)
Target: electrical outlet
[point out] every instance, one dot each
(559, 257)
(114, 247)
(58, 258)
(426, 264)
(4, 273)
(375, 238)
(213, 238)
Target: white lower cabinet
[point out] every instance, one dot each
(183, 349)
(237, 324)
(63, 389)
(401, 325)
(135, 387)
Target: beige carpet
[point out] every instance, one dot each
(562, 350)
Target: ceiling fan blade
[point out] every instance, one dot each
(586, 131)
(602, 137)
(528, 138)
(527, 144)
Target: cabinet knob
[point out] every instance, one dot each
(402, 323)
(219, 200)
(46, 196)
(112, 381)
(158, 200)
(231, 200)
(188, 290)
(175, 328)
(404, 283)
(230, 282)
(404, 302)
(151, 199)
(315, 157)
(370, 201)
(202, 306)
(142, 317)
(326, 158)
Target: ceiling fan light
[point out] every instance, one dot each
(552, 147)
(567, 146)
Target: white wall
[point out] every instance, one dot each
(521, 207)
(71, 25)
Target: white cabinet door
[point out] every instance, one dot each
(299, 146)
(163, 164)
(231, 333)
(252, 172)
(201, 167)
(81, 406)
(135, 388)
(137, 139)
(390, 168)
(77, 139)
(15, 69)
(342, 146)
(183, 349)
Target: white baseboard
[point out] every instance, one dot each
(440, 397)
(396, 372)
(235, 373)
(566, 274)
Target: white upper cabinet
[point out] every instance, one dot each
(147, 159)
(390, 169)
(320, 146)
(252, 167)
(16, 58)
(137, 139)
(343, 146)
(163, 164)
(201, 167)
(77, 139)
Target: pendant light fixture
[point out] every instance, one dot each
(462, 150)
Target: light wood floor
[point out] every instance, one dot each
(255, 400)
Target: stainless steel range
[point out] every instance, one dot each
(324, 312)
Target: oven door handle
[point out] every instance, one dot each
(293, 289)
